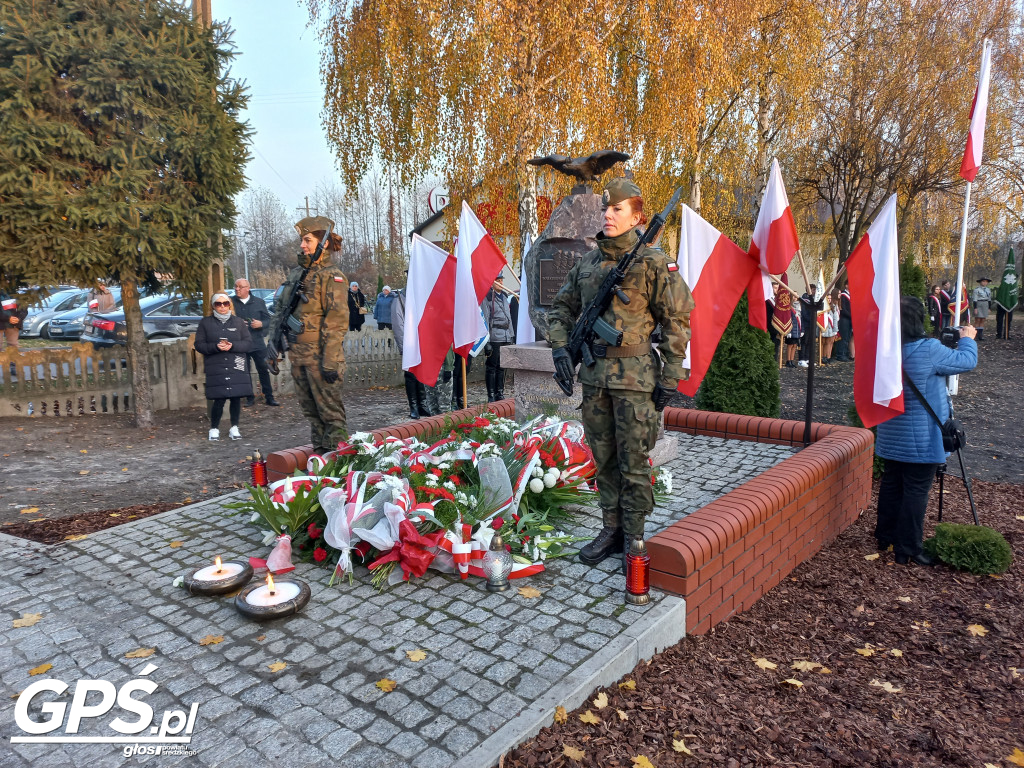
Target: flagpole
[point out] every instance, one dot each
(953, 383)
(465, 392)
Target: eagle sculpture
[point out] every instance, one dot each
(589, 168)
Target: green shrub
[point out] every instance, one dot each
(743, 377)
(973, 548)
(878, 464)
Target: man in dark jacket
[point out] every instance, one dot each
(11, 318)
(253, 310)
(806, 318)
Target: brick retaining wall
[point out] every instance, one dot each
(727, 554)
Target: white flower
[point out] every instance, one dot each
(549, 481)
(268, 537)
(537, 472)
(360, 437)
(462, 498)
(431, 480)
(536, 485)
(449, 485)
(472, 502)
(255, 517)
(178, 582)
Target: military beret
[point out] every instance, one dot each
(313, 224)
(618, 190)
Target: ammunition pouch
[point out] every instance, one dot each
(608, 332)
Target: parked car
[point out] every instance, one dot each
(163, 317)
(69, 325)
(39, 315)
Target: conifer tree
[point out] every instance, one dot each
(122, 149)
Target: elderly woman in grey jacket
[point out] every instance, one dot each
(498, 317)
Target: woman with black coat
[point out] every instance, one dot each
(224, 342)
(356, 307)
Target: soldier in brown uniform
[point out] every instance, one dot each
(317, 354)
(627, 387)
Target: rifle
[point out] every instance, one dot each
(285, 323)
(590, 324)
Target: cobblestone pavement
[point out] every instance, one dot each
(496, 665)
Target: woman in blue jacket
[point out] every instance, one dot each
(911, 443)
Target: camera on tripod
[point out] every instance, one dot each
(950, 337)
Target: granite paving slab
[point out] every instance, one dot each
(496, 667)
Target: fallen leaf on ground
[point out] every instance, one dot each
(628, 685)
(601, 700)
(175, 544)
(79, 537)
(903, 599)
(1020, 517)
(680, 746)
(140, 653)
(865, 651)
(622, 715)
(83, 451)
(642, 762)
(277, 666)
(765, 664)
(212, 640)
(83, 471)
(261, 638)
(386, 685)
(29, 510)
(40, 669)
(1017, 758)
(416, 655)
(529, 592)
(824, 671)
(794, 682)
(977, 630)
(805, 666)
(561, 715)
(1014, 673)
(887, 687)
(590, 717)
(872, 557)
(896, 652)
(572, 753)
(26, 620)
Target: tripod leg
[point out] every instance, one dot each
(942, 479)
(967, 485)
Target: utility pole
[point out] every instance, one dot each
(305, 208)
(202, 11)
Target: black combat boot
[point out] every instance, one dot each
(607, 542)
(424, 401)
(489, 379)
(499, 384)
(411, 395)
(981, 335)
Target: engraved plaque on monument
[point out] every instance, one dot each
(568, 235)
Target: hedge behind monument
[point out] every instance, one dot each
(744, 376)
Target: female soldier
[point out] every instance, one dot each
(630, 383)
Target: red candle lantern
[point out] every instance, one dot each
(258, 469)
(638, 573)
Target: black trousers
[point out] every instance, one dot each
(842, 347)
(1003, 318)
(902, 502)
(217, 411)
(259, 359)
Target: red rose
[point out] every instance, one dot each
(436, 472)
(497, 523)
(455, 480)
(319, 554)
(480, 421)
(313, 531)
(474, 444)
(417, 467)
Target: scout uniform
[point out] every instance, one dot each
(319, 348)
(982, 297)
(618, 413)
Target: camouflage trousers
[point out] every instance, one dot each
(621, 427)
(321, 404)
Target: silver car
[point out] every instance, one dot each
(37, 323)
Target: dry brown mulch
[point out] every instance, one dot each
(54, 531)
(959, 701)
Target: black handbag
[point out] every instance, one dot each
(953, 436)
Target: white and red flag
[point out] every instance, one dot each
(873, 272)
(773, 245)
(717, 272)
(479, 261)
(429, 310)
(976, 134)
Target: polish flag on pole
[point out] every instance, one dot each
(717, 271)
(525, 332)
(874, 279)
(976, 135)
(429, 310)
(479, 261)
(773, 245)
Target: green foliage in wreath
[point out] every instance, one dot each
(974, 548)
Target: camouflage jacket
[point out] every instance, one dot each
(324, 316)
(658, 295)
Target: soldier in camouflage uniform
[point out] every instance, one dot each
(629, 384)
(317, 354)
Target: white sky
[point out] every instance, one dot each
(278, 57)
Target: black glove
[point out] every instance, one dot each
(661, 396)
(488, 349)
(329, 376)
(446, 376)
(563, 364)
